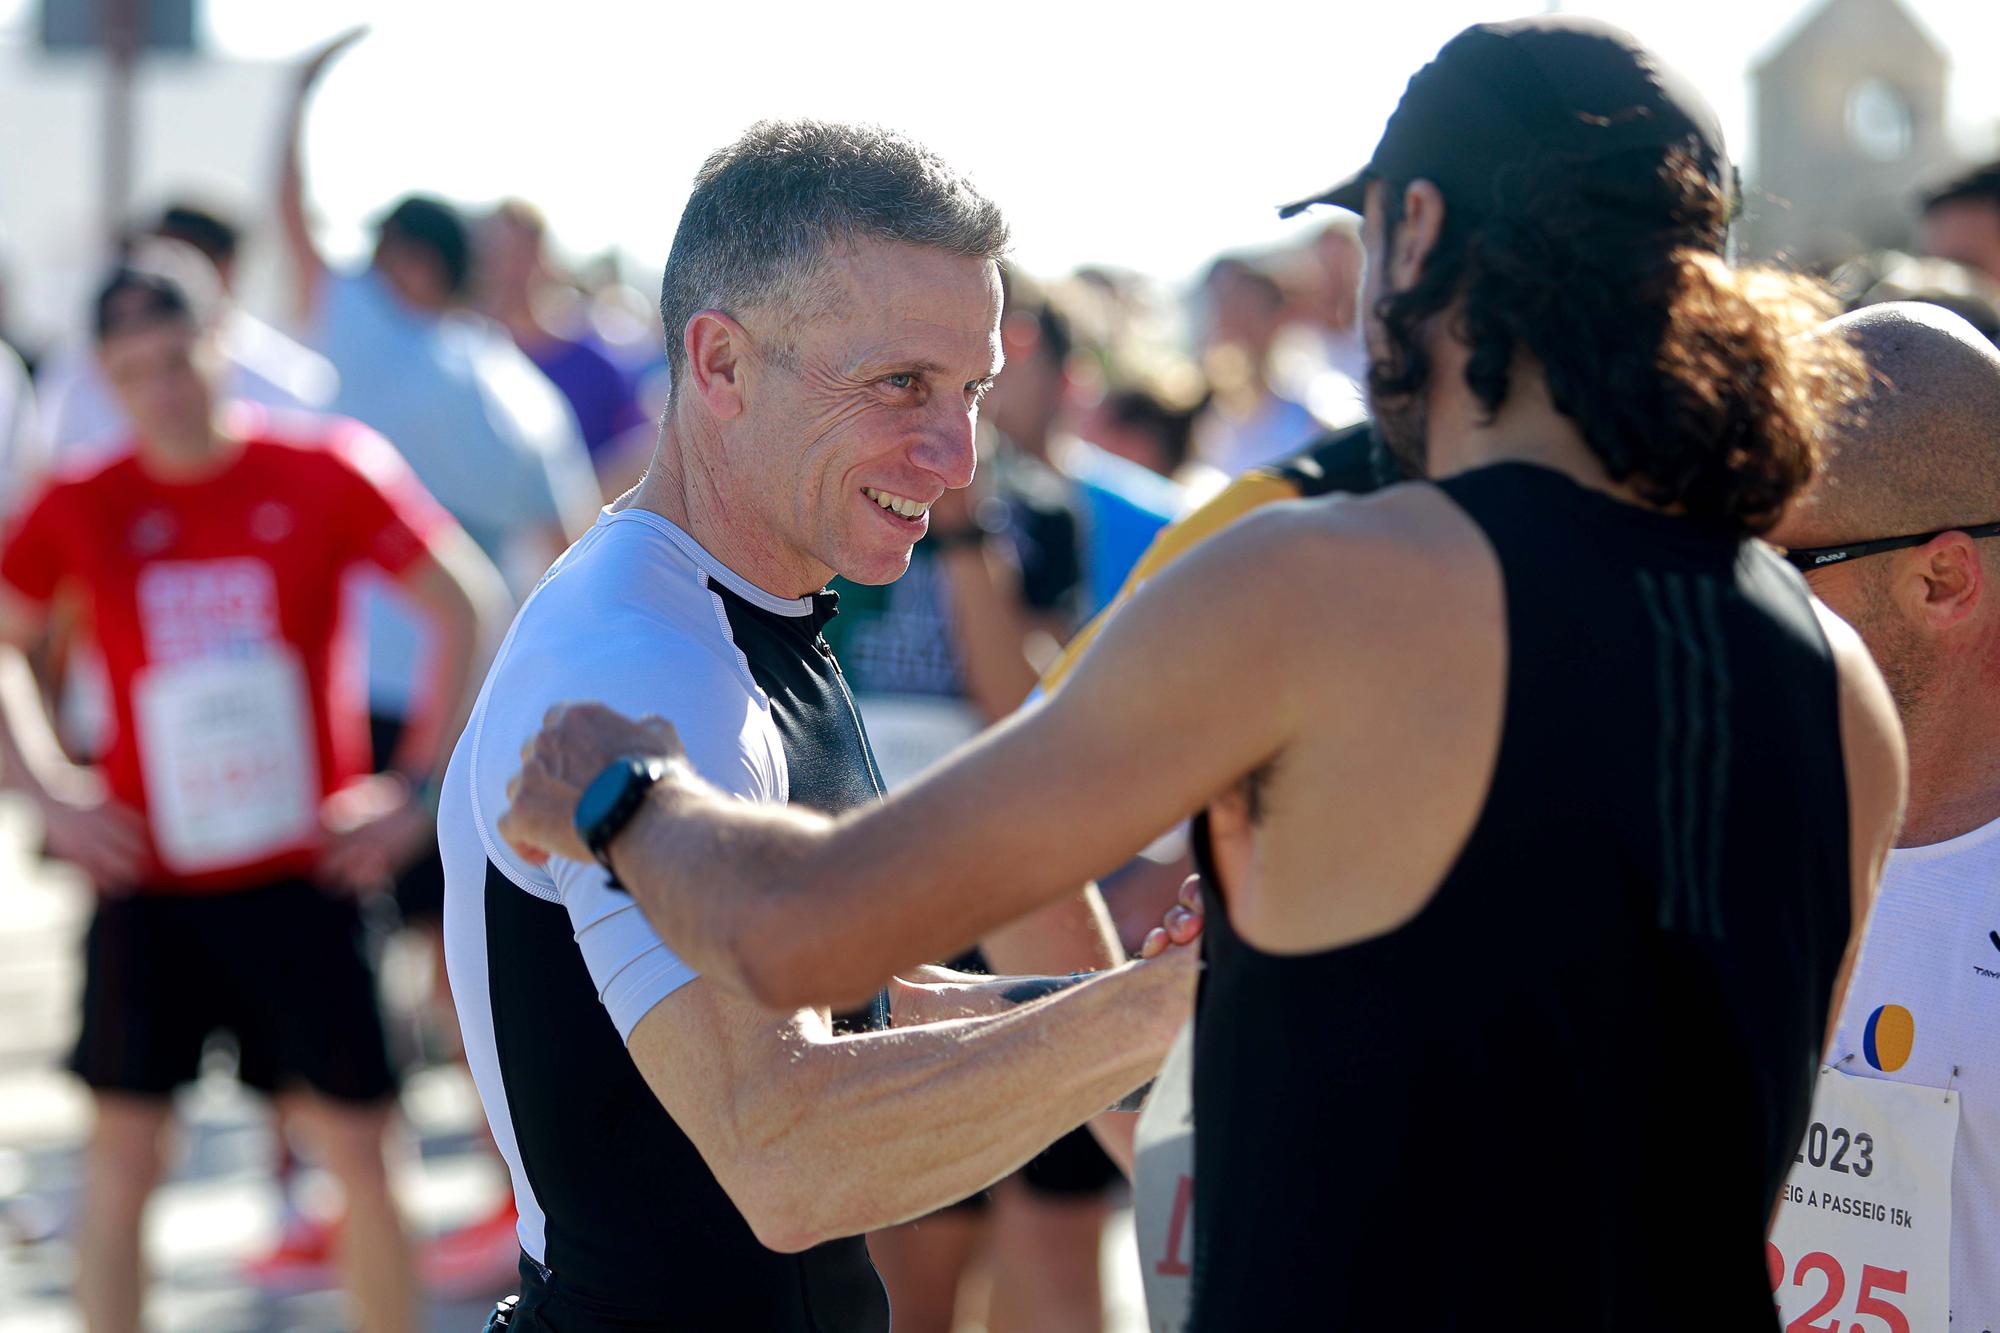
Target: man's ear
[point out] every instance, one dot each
(714, 345)
(1416, 234)
(1942, 581)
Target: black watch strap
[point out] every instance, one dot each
(609, 802)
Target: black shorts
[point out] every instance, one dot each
(282, 968)
(420, 888)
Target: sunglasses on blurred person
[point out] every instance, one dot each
(1808, 558)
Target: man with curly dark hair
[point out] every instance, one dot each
(1539, 802)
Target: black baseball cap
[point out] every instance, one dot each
(1553, 88)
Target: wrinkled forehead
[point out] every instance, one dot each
(885, 300)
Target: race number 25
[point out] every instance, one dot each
(1871, 1298)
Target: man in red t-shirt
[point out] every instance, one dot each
(233, 817)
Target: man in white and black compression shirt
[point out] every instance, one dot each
(682, 1158)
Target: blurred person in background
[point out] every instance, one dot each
(1081, 517)
(1317, 358)
(1961, 220)
(548, 320)
(231, 823)
(88, 426)
(486, 431)
(1249, 420)
(1151, 424)
(1897, 537)
(83, 419)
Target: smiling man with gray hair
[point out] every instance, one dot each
(681, 1157)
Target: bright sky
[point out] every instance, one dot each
(1149, 137)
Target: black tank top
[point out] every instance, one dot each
(1565, 1094)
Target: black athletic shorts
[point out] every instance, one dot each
(420, 888)
(281, 968)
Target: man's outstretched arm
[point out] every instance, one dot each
(815, 1135)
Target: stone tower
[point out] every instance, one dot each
(1849, 123)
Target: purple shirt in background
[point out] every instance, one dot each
(597, 390)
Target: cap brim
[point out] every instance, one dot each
(1349, 195)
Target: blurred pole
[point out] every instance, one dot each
(121, 20)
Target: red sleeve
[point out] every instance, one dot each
(382, 508)
(33, 561)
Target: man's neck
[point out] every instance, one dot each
(1954, 771)
(681, 488)
(1527, 429)
(194, 456)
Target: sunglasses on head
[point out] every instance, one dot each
(1808, 558)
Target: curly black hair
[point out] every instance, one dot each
(1682, 372)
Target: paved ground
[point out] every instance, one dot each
(218, 1207)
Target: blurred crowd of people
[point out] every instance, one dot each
(520, 394)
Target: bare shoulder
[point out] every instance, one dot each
(1406, 540)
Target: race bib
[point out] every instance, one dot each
(1164, 1192)
(1863, 1236)
(226, 746)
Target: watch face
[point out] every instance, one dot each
(601, 799)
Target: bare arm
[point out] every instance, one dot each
(301, 251)
(815, 1135)
(463, 600)
(84, 826)
(31, 759)
(790, 906)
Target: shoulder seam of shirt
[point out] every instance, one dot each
(708, 565)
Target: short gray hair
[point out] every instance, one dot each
(766, 209)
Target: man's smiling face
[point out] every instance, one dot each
(866, 406)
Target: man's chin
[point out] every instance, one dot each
(877, 567)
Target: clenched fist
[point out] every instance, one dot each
(575, 744)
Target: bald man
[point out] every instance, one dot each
(1896, 538)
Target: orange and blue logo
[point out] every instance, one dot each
(1887, 1039)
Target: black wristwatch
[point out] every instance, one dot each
(609, 802)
